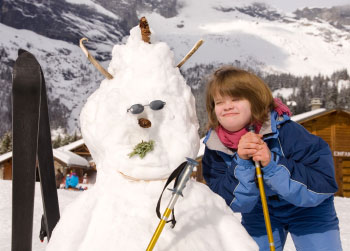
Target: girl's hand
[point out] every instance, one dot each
(251, 145)
(263, 155)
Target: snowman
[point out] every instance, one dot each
(139, 125)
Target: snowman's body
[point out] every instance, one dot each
(118, 213)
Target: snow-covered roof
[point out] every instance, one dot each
(305, 115)
(72, 145)
(67, 157)
(70, 158)
(80, 142)
(5, 156)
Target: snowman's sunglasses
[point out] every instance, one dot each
(154, 105)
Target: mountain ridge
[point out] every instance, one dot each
(51, 31)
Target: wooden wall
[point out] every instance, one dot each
(345, 168)
(8, 170)
(334, 128)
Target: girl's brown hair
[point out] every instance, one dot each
(237, 83)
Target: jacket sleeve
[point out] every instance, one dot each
(234, 182)
(304, 173)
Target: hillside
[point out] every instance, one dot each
(310, 42)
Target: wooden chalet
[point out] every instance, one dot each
(72, 157)
(78, 147)
(334, 127)
(331, 125)
(6, 166)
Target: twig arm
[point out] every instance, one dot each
(93, 60)
(193, 50)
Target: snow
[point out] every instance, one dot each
(284, 92)
(5, 156)
(135, 63)
(71, 159)
(63, 154)
(70, 93)
(59, 132)
(343, 84)
(115, 210)
(65, 197)
(290, 6)
(127, 188)
(98, 7)
(72, 145)
(272, 46)
(300, 4)
(201, 148)
(304, 115)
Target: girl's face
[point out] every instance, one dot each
(232, 113)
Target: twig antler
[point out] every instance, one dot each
(145, 32)
(193, 50)
(93, 60)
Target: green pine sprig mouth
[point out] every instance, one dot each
(142, 149)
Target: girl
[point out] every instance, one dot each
(297, 166)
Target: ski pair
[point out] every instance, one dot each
(31, 146)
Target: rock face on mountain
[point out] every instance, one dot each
(64, 21)
(257, 9)
(337, 16)
(51, 31)
(59, 20)
(127, 9)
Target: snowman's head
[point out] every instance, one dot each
(147, 100)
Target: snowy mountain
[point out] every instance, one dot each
(268, 39)
(257, 35)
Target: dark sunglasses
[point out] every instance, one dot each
(154, 105)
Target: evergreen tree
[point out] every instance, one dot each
(6, 143)
(66, 140)
(331, 101)
(75, 137)
(57, 142)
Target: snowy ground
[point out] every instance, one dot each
(65, 197)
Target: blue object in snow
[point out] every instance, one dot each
(72, 180)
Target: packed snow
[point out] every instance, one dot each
(70, 158)
(66, 197)
(128, 187)
(309, 114)
(118, 213)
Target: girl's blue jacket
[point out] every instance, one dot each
(300, 173)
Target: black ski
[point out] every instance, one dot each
(31, 145)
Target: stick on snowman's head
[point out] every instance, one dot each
(118, 115)
(145, 33)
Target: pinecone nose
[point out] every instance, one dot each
(145, 123)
